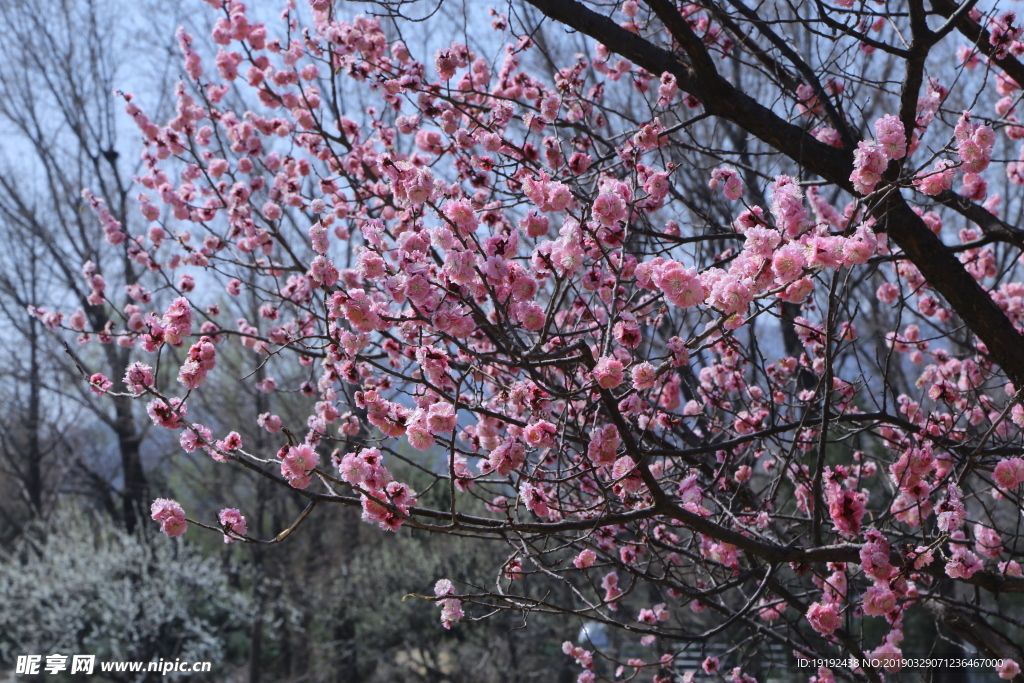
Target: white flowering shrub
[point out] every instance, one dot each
(78, 585)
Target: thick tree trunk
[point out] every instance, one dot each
(134, 493)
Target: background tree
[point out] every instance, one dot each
(64, 135)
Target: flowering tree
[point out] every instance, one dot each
(714, 320)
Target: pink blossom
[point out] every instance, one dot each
(535, 498)
(626, 476)
(164, 415)
(612, 592)
(824, 619)
(1009, 473)
(937, 180)
(198, 436)
(787, 205)
(728, 179)
(888, 293)
(461, 213)
(231, 442)
(202, 357)
(869, 163)
(604, 442)
(891, 136)
(451, 608)
(1008, 669)
(232, 520)
(509, 456)
(585, 558)
(138, 377)
(963, 564)
(609, 209)
(987, 542)
(644, 376)
(874, 557)
(177, 321)
(170, 515)
(531, 315)
(1011, 568)
(731, 295)
(879, 600)
(99, 384)
(682, 286)
(298, 462)
(609, 372)
(441, 418)
(761, 242)
(540, 434)
(788, 263)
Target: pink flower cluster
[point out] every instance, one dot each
(824, 618)
(170, 515)
(583, 657)
(138, 377)
(297, 463)
(974, 143)
(609, 372)
(951, 510)
(451, 608)
(232, 520)
(422, 425)
(387, 416)
(202, 358)
(198, 436)
(963, 564)
(384, 500)
(872, 156)
(604, 442)
(164, 415)
(729, 180)
(1009, 473)
(845, 507)
(547, 195)
(177, 321)
(909, 473)
(509, 455)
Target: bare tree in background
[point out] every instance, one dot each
(58, 67)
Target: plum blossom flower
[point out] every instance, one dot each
(1008, 669)
(938, 180)
(879, 600)
(891, 136)
(609, 209)
(824, 619)
(232, 519)
(451, 608)
(644, 376)
(1009, 473)
(171, 516)
(609, 372)
(729, 180)
(963, 564)
(585, 558)
(138, 377)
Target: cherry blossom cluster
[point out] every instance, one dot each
(484, 264)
